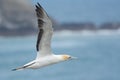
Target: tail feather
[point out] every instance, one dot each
(20, 68)
(24, 67)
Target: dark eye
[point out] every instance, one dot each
(69, 56)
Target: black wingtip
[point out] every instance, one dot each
(14, 69)
(38, 5)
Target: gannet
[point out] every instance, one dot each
(45, 56)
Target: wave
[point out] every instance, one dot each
(61, 39)
(70, 39)
(67, 33)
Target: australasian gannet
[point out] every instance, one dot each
(45, 56)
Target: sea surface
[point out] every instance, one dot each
(82, 10)
(98, 56)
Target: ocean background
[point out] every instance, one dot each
(98, 56)
(76, 11)
(98, 52)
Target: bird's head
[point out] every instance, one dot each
(68, 57)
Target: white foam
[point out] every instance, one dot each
(69, 39)
(66, 33)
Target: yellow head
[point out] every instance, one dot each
(66, 57)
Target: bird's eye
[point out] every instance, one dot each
(69, 57)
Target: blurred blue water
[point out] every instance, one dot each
(99, 57)
(96, 11)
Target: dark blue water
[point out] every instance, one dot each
(98, 53)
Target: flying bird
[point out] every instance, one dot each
(45, 56)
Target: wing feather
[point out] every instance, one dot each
(43, 45)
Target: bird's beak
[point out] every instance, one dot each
(74, 57)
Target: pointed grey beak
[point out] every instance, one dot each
(74, 57)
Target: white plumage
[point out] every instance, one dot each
(45, 56)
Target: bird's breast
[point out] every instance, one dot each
(46, 61)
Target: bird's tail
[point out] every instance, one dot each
(19, 68)
(23, 67)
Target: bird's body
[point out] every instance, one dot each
(42, 62)
(45, 56)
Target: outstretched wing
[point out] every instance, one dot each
(43, 45)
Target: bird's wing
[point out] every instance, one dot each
(43, 45)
